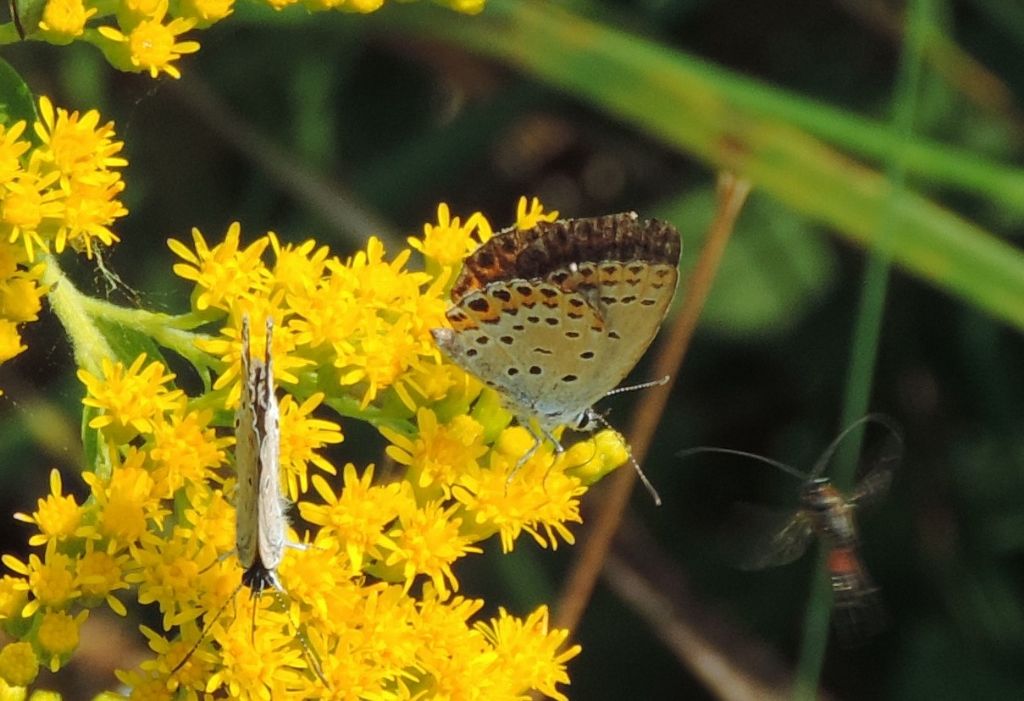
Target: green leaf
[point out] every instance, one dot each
(775, 270)
(97, 459)
(126, 342)
(16, 101)
(728, 124)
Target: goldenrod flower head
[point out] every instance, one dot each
(449, 241)
(302, 436)
(440, 454)
(78, 147)
(132, 400)
(63, 21)
(222, 273)
(57, 516)
(186, 449)
(18, 664)
(530, 213)
(13, 596)
(59, 635)
(205, 12)
(149, 46)
(12, 148)
(527, 664)
(101, 572)
(427, 541)
(66, 189)
(130, 13)
(32, 203)
(51, 581)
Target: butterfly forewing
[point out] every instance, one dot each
(272, 522)
(247, 455)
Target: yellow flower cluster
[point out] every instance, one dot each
(63, 192)
(372, 608)
(146, 35)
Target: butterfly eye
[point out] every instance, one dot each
(583, 421)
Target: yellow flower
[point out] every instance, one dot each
(537, 497)
(152, 46)
(20, 296)
(18, 664)
(28, 206)
(12, 148)
(358, 518)
(528, 653)
(185, 449)
(50, 581)
(223, 273)
(245, 651)
(427, 541)
(171, 569)
(295, 268)
(449, 241)
(77, 145)
(13, 595)
(301, 436)
(64, 20)
(10, 340)
(529, 214)
(126, 503)
(100, 572)
(133, 400)
(59, 635)
(56, 516)
(89, 211)
(205, 12)
(439, 454)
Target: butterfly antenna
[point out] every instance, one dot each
(204, 632)
(643, 385)
(788, 469)
(304, 642)
(629, 451)
(880, 419)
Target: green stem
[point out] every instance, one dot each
(69, 305)
(171, 332)
(866, 337)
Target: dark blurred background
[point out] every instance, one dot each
(337, 126)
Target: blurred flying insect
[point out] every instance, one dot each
(828, 514)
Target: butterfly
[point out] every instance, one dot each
(555, 316)
(827, 514)
(261, 522)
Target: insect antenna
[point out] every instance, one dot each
(204, 632)
(629, 451)
(788, 469)
(300, 635)
(880, 419)
(643, 385)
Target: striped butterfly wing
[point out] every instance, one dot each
(247, 455)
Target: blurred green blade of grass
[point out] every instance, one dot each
(695, 107)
